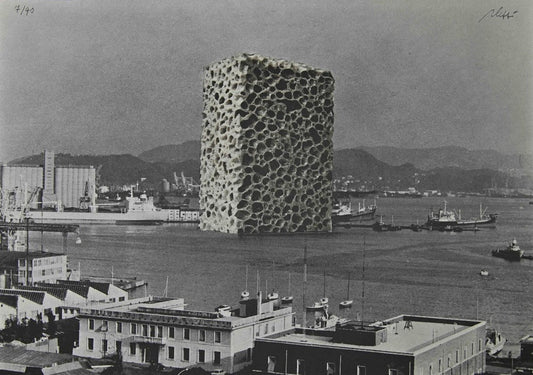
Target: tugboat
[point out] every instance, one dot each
(511, 253)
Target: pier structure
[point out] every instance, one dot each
(266, 151)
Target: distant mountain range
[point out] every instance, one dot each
(444, 168)
(450, 156)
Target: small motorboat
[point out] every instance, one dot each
(245, 293)
(347, 302)
(484, 273)
(289, 298)
(272, 296)
(317, 306)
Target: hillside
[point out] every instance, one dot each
(117, 170)
(189, 150)
(450, 156)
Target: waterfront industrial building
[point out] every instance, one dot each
(404, 345)
(160, 331)
(18, 268)
(59, 185)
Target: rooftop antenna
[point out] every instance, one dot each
(304, 288)
(363, 286)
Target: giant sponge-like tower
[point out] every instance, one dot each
(267, 151)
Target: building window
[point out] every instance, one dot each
(217, 336)
(170, 352)
(300, 367)
(120, 299)
(119, 327)
(91, 324)
(159, 331)
(104, 346)
(330, 368)
(145, 330)
(440, 364)
(133, 329)
(266, 329)
(449, 361)
(118, 346)
(464, 352)
(271, 363)
(104, 325)
(457, 356)
(430, 370)
(185, 354)
(361, 370)
(479, 345)
(472, 349)
(216, 358)
(90, 344)
(152, 331)
(201, 335)
(133, 348)
(186, 334)
(171, 332)
(201, 356)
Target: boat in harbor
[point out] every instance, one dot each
(494, 342)
(343, 212)
(245, 294)
(134, 211)
(512, 252)
(323, 302)
(288, 298)
(444, 218)
(347, 302)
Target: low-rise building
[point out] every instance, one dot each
(43, 305)
(405, 345)
(40, 267)
(160, 330)
(112, 292)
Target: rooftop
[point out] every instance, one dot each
(404, 334)
(19, 355)
(10, 258)
(172, 311)
(34, 296)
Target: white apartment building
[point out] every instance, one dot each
(160, 330)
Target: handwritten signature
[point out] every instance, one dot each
(501, 13)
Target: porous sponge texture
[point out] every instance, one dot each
(267, 151)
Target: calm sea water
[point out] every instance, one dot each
(430, 273)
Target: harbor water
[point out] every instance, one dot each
(428, 272)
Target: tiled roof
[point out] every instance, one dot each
(60, 293)
(21, 356)
(82, 290)
(9, 300)
(102, 287)
(37, 297)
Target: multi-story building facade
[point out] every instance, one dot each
(160, 330)
(34, 267)
(405, 345)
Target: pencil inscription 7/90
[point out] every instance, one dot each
(24, 10)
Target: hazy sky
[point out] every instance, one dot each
(124, 76)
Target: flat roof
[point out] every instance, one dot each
(172, 311)
(405, 334)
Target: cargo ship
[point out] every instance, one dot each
(136, 211)
(342, 212)
(444, 218)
